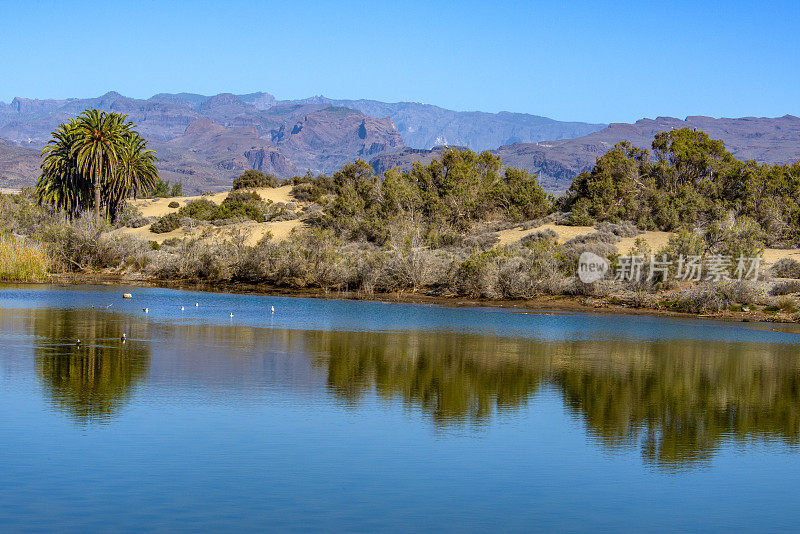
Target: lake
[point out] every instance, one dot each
(331, 415)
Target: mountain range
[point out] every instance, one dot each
(205, 141)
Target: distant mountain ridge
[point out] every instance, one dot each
(205, 141)
(287, 137)
(768, 140)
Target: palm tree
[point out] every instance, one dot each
(96, 160)
(62, 184)
(96, 150)
(136, 172)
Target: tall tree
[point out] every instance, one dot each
(97, 148)
(96, 160)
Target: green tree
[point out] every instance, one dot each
(93, 161)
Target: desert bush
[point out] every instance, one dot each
(141, 221)
(482, 241)
(785, 288)
(595, 237)
(201, 209)
(539, 235)
(571, 252)
(786, 268)
(166, 224)
(714, 297)
(252, 179)
(622, 229)
(22, 261)
(173, 205)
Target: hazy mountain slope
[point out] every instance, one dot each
(207, 141)
(772, 140)
(426, 126)
(19, 166)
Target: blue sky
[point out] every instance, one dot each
(589, 61)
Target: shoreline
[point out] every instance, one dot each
(546, 304)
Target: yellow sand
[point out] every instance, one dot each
(656, 240)
(252, 232)
(159, 207)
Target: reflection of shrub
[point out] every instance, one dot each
(167, 223)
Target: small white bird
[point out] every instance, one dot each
(231, 314)
(78, 342)
(146, 310)
(182, 308)
(124, 337)
(196, 304)
(272, 309)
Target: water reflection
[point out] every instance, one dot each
(677, 402)
(91, 382)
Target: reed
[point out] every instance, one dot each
(22, 262)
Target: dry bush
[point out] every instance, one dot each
(785, 288)
(714, 297)
(22, 261)
(482, 241)
(786, 268)
(622, 229)
(539, 235)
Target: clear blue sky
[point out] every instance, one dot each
(570, 61)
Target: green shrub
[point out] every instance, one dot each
(167, 223)
(173, 205)
(201, 209)
(252, 179)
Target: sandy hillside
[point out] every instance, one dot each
(251, 232)
(656, 240)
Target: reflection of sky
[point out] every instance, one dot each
(212, 441)
(322, 314)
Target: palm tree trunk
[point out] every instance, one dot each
(96, 184)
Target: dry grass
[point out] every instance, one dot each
(22, 262)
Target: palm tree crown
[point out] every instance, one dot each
(96, 160)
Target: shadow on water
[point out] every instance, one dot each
(676, 401)
(93, 381)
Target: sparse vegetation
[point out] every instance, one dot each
(22, 262)
(434, 229)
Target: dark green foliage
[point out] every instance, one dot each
(692, 183)
(165, 224)
(252, 178)
(159, 190)
(173, 205)
(440, 201)
(239, 204)
(201, 209)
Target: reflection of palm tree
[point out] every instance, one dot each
(91, 382)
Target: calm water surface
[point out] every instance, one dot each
(360, 416)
